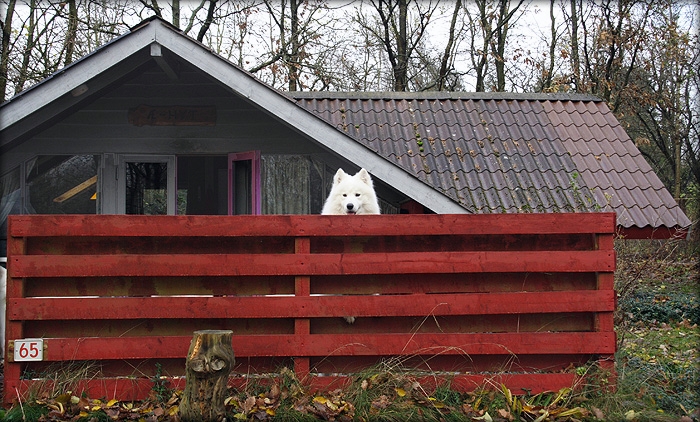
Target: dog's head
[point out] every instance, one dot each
(352, 194)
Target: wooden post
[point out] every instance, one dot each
(209, 363)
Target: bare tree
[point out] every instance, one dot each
(479, 24)
(72, 32)
(298, 35)
(399, 26)
(449, 49)
(505, 18)
(489, 25)
(5, 52)
(660, 104)
(575, 60)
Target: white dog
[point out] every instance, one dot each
(351, 195)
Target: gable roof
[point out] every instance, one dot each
(510, 153)
(452, 153)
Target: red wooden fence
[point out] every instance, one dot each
(518, 299)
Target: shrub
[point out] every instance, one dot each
(658, 307)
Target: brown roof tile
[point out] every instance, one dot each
(508, 152)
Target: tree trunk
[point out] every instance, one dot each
(575, 61)
(28, 48)
(209, 363)
(442, 76)
(480, 55)
(549, 77)
(72, 32)
(207, 22)
(176, 13)
(294, 59)
(5, 55)
(401, 71)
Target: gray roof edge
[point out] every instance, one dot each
(65, 69)
(442, 95)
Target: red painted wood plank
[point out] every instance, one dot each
(99, 348)
(310, 264)
(134, 389)
(310, 225)
(311, 306)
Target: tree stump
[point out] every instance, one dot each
(209, 363)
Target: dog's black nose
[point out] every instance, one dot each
(350, 207)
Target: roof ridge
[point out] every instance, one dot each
(441, 95)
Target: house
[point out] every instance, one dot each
(155, 123)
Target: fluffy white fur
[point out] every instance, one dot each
(351, 195)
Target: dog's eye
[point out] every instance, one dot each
(357, 195)
(345, 194)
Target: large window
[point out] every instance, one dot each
(189, 184)
(62, 184)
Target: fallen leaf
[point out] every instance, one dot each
(248, 404)
(274, 392)
(112, 413)
(486, 418)
(505, 414)
(382, 402)
(437, 403)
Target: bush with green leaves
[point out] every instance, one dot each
(661, 307)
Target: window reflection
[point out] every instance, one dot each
(146, 188)
(62, 184)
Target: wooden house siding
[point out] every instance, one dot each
(519, 299)
(103, 126)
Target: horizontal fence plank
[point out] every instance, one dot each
(310, 264)
(300, 345)
(309, 225)
(311, 306)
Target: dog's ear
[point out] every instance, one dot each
(365, 177)
(339, 175)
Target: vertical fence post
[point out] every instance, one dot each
(302, 326)
(13, 329)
